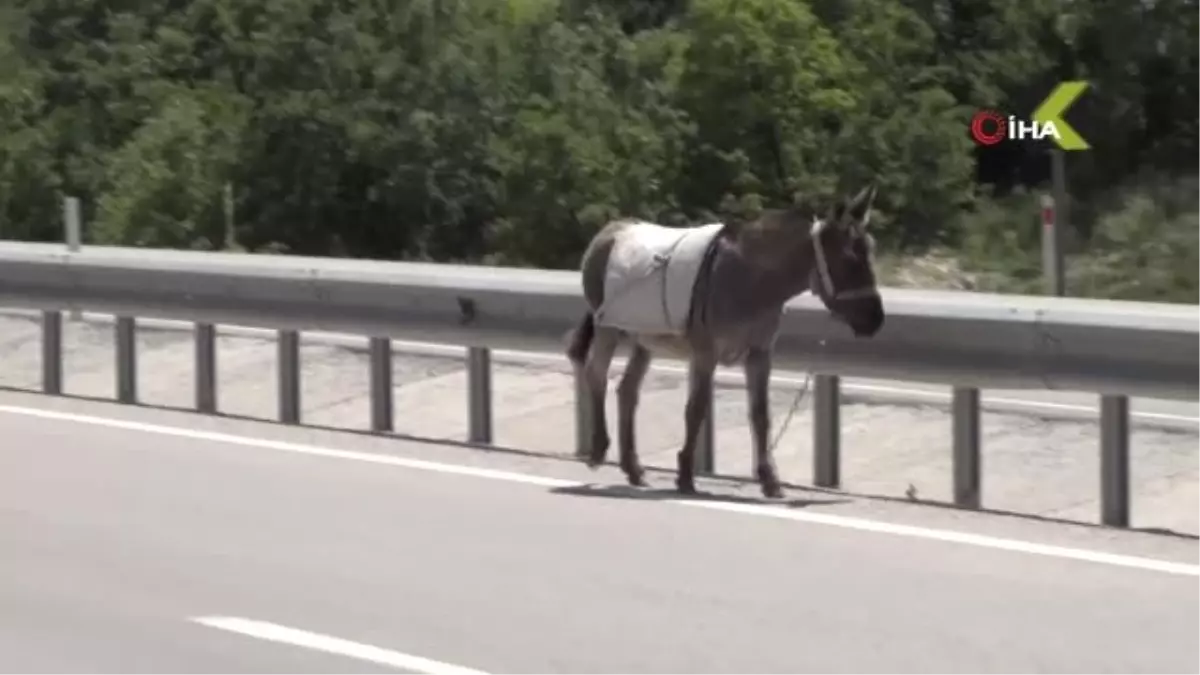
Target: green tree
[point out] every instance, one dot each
(768, 87)
(165, 185)
(591, 135)
(907, 130)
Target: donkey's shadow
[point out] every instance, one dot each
(623, 491)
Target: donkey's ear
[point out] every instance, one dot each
(836, 209)
(860, 205)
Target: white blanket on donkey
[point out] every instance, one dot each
(651, 276)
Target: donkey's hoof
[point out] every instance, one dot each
(686, 486)
(772, 491)
(636, 478)
(596, 457)
(598, 452)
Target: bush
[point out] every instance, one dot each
(1001, 243)
(1146, 249)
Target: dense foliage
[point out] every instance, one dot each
(506, 131)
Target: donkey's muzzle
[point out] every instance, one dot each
(865, 316)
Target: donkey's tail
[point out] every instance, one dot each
(581, 340)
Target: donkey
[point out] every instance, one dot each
(742, 280)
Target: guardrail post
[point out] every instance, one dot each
(479, 394)
(206, 367)
(126, 338)
(52, 352)
(1114, 460)
(967, 482)
(381, 384)
(826, 431)
(72, 234)
(289, 376)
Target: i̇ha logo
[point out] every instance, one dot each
(989, 127)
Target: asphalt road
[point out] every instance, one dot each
(117, 541)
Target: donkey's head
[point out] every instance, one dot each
(843, 276)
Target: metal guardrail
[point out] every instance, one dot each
(966, 340)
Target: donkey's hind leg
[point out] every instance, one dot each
(699, 407)
(628, 393)
(596, 375)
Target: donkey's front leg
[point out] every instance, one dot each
(758, 381)
(699, 404)
(599, 358)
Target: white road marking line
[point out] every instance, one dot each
(952, 536)
(982, 541)
(298, 448)
(1030, 404)
(332, 645)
